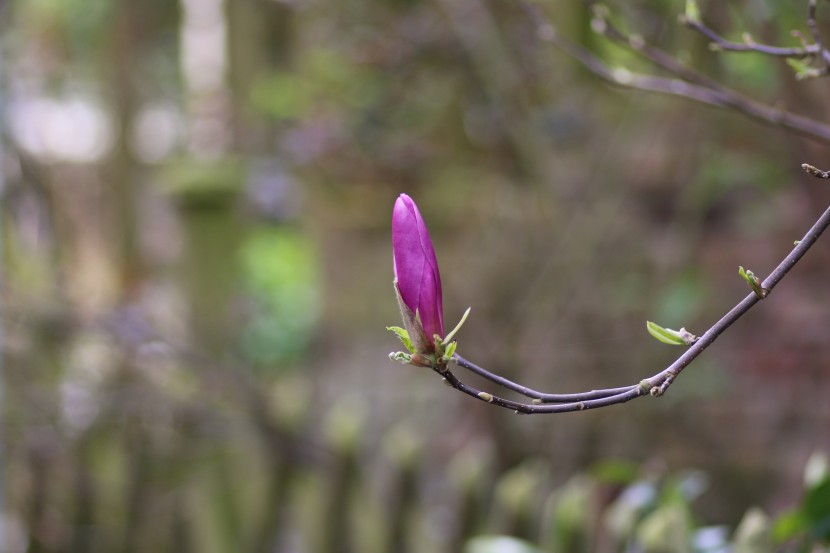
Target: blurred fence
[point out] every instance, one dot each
(170, 452)
(164, 454)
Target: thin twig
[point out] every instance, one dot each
(691, 84)
(696, 86)
(655, 385)
(814, 31)
(533, 394)
(750, 45)
(658, 57)
(454, 382)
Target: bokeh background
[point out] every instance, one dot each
(197, 274)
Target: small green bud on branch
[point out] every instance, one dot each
(680, 337)
(754, 282)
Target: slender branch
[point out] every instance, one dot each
(531, 393)
(750, 45)
(655, 385)
(814, 31)
(658, 57)
(691, 84)
(454, 382)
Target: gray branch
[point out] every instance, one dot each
(655, 385)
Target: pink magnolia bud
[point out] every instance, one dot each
(417, 279)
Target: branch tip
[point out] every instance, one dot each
(815, 171)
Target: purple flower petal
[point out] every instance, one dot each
(416, 267)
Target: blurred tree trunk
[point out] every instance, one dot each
(207, 186)
(259, 43)
(206, 197)
(121, 171)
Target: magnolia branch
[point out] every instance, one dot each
(657, 384)
(816, 49)
(417, 282)
(814, 31)
(688, 84)
(749, 45)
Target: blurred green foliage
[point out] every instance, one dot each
(321, 80)
(809, 522)
(80, 23)
(655, 513)
(282, 269)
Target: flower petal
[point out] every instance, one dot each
(416, 267)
